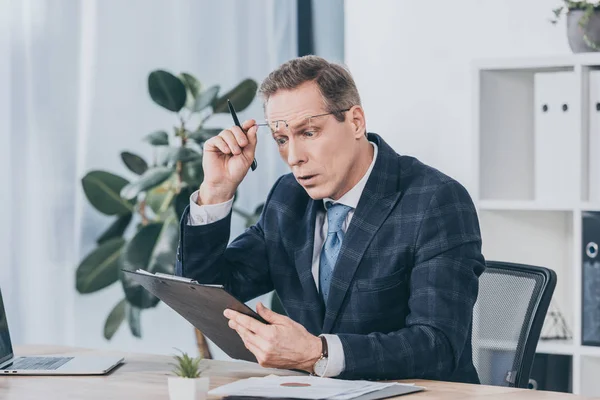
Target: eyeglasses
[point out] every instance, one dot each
(307, 121)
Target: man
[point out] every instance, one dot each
(375, 256)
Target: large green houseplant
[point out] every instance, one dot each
(147, 208)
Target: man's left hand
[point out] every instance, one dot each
(282, 344)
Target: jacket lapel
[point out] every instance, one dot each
(304, 245)
(380, 195)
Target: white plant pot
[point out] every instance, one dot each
(187, 388)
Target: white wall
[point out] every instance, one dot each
(5, 176)
(412, 65)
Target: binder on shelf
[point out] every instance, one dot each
(594, 137)
(590, 276)
(556, 137)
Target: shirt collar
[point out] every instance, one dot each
(352, 197)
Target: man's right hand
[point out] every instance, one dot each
(226, 160)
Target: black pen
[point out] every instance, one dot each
(237, 123)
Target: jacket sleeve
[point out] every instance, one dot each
(443, 290)
(242, 266)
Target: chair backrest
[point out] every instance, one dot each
(507, 319)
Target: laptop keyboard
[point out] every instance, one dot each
(43, 363)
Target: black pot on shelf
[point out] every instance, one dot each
(586, 38)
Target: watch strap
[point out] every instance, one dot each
(324, 351)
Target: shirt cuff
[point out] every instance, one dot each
(336, 362)
(209, 213)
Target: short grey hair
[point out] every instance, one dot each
(334, 81)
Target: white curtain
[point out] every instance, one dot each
(73, 95)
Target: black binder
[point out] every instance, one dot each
(590, 275)
(203, 306)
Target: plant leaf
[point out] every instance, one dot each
(153, 249)
(116, 229)
(102, 190)
(202, 135)
(192, 86)
(135, 163)
(100, 268)
(184, 154)
(158, 138)
(206, 98)
(173, 154)
(151, 178)
(158, 196)
(165, 155)
(166, 90)
(240, 96)
(193, 173)
(133, 317)
(114, 319)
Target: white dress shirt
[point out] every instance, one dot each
(206, 214)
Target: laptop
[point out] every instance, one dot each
(48, 365)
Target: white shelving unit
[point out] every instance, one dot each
(519, 221)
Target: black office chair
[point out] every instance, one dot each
(507, 320)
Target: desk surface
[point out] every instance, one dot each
(144, 376)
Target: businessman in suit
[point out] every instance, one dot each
(375, 256)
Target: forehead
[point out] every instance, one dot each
(303, 101)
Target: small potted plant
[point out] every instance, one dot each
(187, 384)
(583, 24)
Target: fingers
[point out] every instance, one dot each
(235, 140)
(248, 339)
(218, 143)
(247, 336)
(232, 140)
(251, 129)
(248, 124)
(269, 315)
(245, 321)
(251, 135)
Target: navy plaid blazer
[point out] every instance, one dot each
(405, 282)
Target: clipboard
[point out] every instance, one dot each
(202, 306)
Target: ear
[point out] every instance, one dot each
(357, 119)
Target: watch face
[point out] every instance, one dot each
(320, 366)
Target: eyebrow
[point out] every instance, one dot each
(301, 125)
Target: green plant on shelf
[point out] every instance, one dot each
(587, 6)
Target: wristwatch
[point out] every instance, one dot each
(321, 365)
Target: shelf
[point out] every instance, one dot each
(531, 209)
(590, 206)
(544, 346)
(539, 63)
(521, 205)
(555, 347)
(590, 351)
(532, 205)
(565, 347)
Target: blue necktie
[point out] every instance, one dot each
(336, 215)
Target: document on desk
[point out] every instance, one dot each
(306, 387)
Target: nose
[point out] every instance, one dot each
(296, 154)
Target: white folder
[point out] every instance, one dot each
(557, 142)
(594, 137)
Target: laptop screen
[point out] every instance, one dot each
(6, 351)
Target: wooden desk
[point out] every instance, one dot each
(144, 376)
